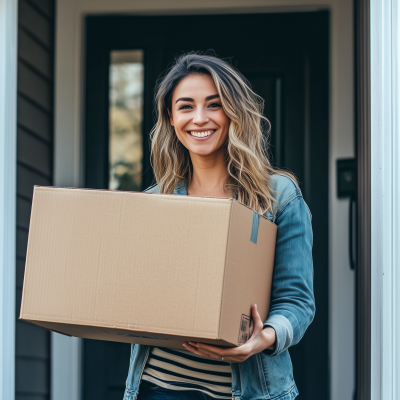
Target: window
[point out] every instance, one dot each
(126, 118)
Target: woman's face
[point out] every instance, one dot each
(197, 115)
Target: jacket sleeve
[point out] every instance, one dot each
(292, 299)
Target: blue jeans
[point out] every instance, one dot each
(150, 391)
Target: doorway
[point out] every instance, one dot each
(285, 58)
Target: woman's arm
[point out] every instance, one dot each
(260, 340)
(292, 300)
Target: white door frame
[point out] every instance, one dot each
(8, 164)
(68, 166)
(385, 199)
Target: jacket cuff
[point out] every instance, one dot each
(284, 334)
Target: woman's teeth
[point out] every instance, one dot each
(201, 134)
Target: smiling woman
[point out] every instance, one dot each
(210, 139)
(203, 93)
(201, 125)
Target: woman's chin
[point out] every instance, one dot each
(202, 151)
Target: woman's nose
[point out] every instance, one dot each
(200, 117)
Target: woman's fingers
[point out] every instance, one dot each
(218, 352)
(203, 352)
(235, 354)
(256, 343)
(257, 323)
(212, 352)
(193, 349)
(232, 355)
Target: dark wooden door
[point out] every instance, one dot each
(285, 58)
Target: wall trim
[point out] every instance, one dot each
(8, 163)
(363, 128)
(66, 376)
(385, 192)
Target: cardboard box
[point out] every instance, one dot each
(146, 268)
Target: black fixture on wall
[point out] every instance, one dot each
(346, 172)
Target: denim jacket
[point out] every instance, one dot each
(269, 374)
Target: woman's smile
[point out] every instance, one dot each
(203, 134)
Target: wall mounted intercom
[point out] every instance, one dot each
(346, 172)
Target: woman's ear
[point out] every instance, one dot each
(171, 119)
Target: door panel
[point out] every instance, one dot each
(285, 59)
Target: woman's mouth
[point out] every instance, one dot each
(202, 134)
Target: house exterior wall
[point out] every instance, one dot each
(34, 167)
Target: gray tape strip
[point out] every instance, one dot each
(254, 227)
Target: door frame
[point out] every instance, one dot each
(69, 127)
(8, 165)
(363, 131)
(384, 193)
(302, 65)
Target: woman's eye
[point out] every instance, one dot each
(185, 107)
(214, 105)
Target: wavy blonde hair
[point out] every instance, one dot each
(246, 149)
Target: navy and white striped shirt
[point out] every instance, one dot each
(183, 370)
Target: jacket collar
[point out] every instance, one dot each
(181, 188)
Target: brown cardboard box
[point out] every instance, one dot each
(146, 268)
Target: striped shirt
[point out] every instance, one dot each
(183, 370)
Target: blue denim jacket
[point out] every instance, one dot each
(268, 375)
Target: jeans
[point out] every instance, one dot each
(150, 391)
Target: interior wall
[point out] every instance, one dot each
(342, 316)
(68, 153)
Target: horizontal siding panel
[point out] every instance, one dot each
(20, 273)
(35, 87)
(23, 212)
(34, 119)
(113, 394)
(22, 242)
(34, 167)
(31, 397)
(45, 6)
(35, 23)
(31, 341)
(32, 376)
(34, 153)
(26, 180)
(18, 294)
(34, 54)
(118, 356)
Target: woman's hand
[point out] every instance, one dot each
(260, 340)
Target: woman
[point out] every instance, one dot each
(208, 141)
